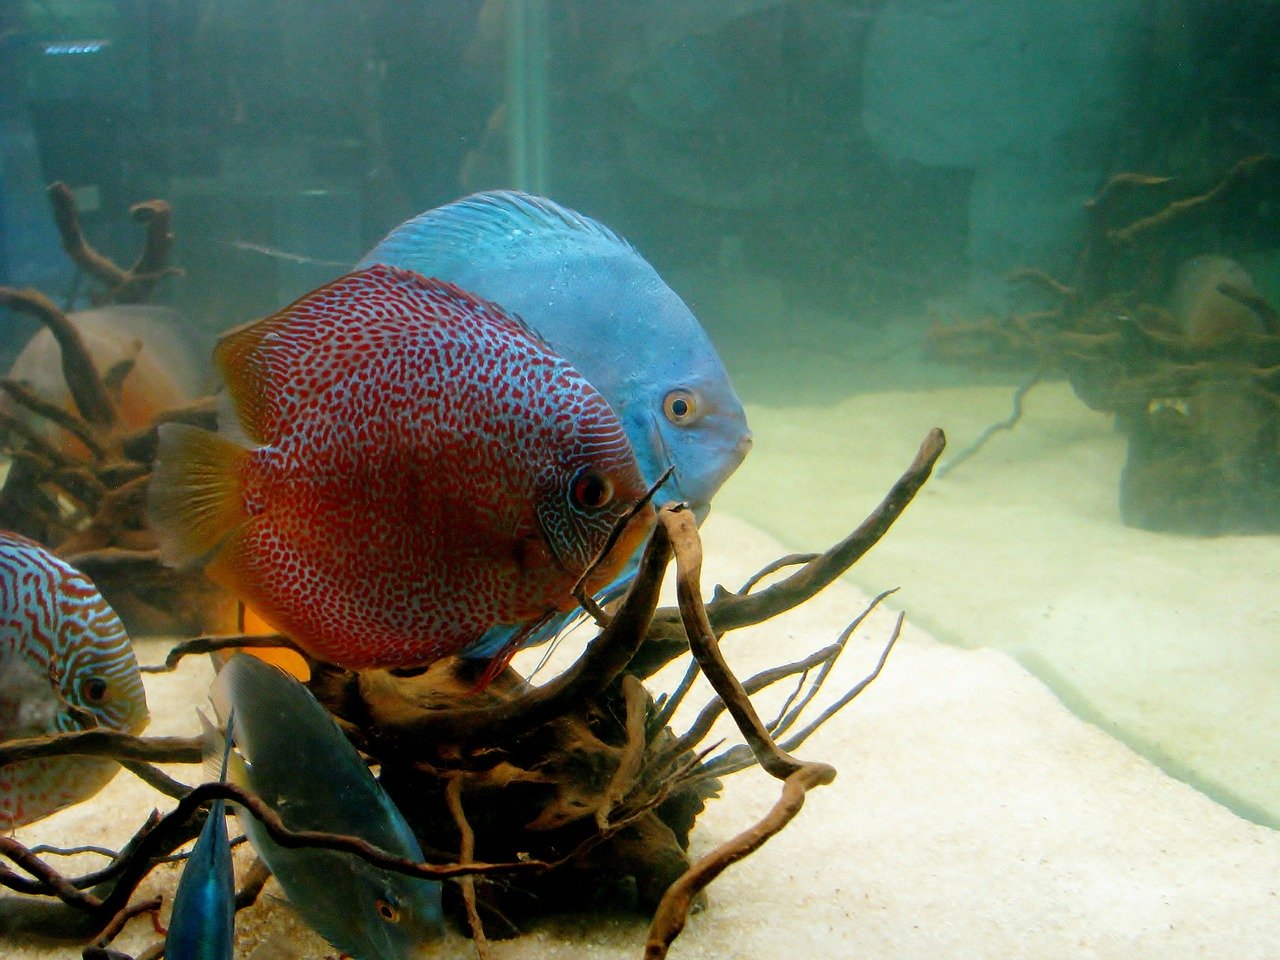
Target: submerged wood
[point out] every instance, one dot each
(134, 284)
(555, 797)
(92, 509)
(1197, 398)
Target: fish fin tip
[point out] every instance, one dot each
(235, 359)
(230, 426)
(437, 242)
(506, 653)
(194, 500)
(214, 746)
(500, 661)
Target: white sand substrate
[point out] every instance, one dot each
(974, 816)
(1171, 643)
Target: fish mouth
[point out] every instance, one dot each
(737, 454)
(700, 505)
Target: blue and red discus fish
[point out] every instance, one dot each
(600, 304)
(65, 664)
(418, 467)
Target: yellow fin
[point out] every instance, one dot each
(282, 657)
(196, 499)
(287, 660)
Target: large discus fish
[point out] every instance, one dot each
(601, 305)
(421, 467)
(293, 756)
(65, 664)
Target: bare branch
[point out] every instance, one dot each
(673, 911)
(101, 268)
(108, 744)
(78, 369)
(26, 397)
(235, 641)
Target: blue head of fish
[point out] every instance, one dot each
(294, 756)
(604, 308)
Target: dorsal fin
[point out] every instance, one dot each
(438, 242)
(234, 358)
(241, 359)
(378, 294)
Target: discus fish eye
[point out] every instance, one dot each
(94, 690)
(680, 406)
(591, 491)
(387, 911)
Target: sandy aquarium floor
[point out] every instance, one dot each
(974, 816)
(1170, 643)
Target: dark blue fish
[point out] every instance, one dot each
(296, 759)
(202, 925)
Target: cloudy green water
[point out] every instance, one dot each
(821, 179)
(1167, 642)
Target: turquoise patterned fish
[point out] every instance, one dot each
(295, 758)
(65, 664)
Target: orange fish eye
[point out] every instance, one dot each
(94, 690)
(591, 491)
(387, 911)
(680, 406)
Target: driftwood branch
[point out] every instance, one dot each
(466, 853)
(604, 659)
(40, 452)
(673, 911)
(1180, 208)
(1008, 423)
(798, 776)
(732, 612)
(141, 279)
(78, 369)
(210, 644)
(1113, 186)
(84, 256)
(106, 744)
(683, 533)
(159, 838)
(666, 639)
(26, 397)
(140, 445)
(135, 284)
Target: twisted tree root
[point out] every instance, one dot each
(673, 911)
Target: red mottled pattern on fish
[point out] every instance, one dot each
(418, 444)
(65, 664)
